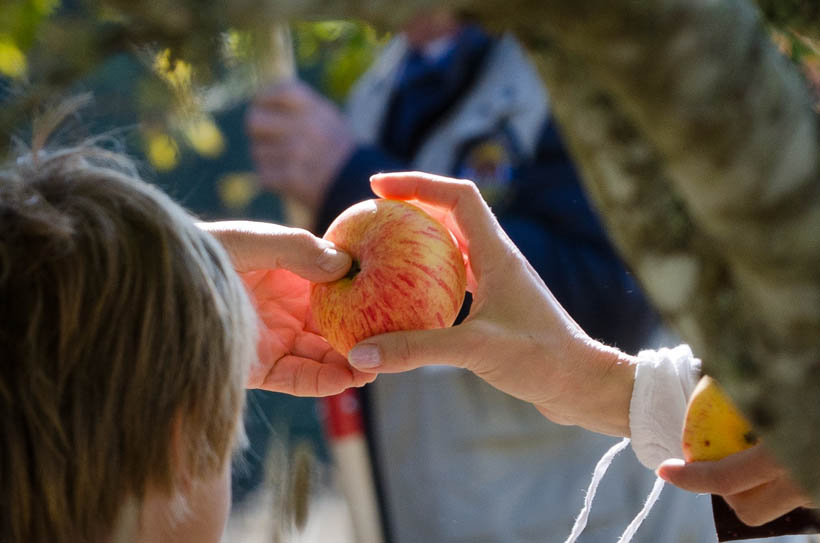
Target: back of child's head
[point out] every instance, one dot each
(124, 344)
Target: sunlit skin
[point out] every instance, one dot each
(293, 356)
(277, 265)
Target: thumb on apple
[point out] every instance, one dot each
(315, 259)
(255, 246)
(403, 351)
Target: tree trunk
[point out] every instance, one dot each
(698, 142)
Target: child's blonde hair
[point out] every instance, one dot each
(124, 345)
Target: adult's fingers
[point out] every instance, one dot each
(256, 246)
(266, 124)
(455, 196)
(292, 94)
(766, 502)
(735, 473)
(280, 111)
(285, 177)
(445, 217)
(402, 351)
(472, 221)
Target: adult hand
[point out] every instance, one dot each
(299, 141)
(277, 264)
(752, 483)
(517, 337)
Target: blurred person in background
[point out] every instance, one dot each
(455, 459)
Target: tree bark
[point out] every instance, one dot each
(698, 141)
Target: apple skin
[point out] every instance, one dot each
(407, 274)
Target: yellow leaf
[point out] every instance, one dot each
(162, 61)
(12, 59)
(205, 137)
(45, 7)
(236, 190)
(162, 151)
(177, 73)
(330, 30)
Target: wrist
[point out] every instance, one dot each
(598, 394)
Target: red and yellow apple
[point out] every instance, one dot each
(407, 274)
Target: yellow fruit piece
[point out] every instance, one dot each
(714, 428)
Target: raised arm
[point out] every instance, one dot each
(517, 336)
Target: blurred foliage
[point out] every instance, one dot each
(800, 16)
(168, 67)
(149, 69)
(333, 54)
(805, 53)
(19, 21)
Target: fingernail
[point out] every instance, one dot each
(331, 260)
(365, 356)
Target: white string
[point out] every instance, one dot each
(626, 537)
(597, 475)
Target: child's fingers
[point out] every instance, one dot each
(306, 255)
(299, 376)
(265, 246)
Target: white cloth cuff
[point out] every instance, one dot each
(664, 380)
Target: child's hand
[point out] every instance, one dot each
(276, 264)
(752, 483)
